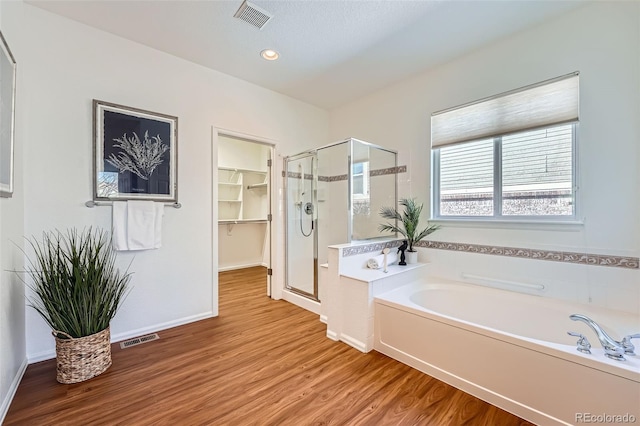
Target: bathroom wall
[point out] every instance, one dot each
(240, 154)
(12, 305)
(63, 66)
(602, 41)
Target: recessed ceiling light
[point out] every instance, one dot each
(269, 54)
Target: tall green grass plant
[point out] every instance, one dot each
(77, 287)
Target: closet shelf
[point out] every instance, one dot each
(231, 169)
(240, 195)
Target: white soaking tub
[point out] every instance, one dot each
(512, 350)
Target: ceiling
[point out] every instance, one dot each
(331, 51)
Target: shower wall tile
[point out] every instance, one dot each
(338, 178)
(624, 262)
(368, 248)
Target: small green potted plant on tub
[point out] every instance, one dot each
(407, 225)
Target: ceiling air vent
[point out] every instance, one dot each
(252, 14)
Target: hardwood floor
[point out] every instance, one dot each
(261, 362)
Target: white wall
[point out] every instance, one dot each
(64, 65)
(12, 305)
(600, 40)
(240, 154)
(241, 245)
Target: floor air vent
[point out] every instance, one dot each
(252, 14)
(138, 340)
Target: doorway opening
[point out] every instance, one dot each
(243, 193)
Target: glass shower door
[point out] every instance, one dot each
(301, 245)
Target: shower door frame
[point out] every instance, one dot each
(314, 186)
(350, 179)
(349, 212)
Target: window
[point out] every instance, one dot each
(360, 178)
(492, 162)
(466, 179)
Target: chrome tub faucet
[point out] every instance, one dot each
(612, 348)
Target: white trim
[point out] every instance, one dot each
(333, 335)
(245, 136)
(354, 343)
(243, 266)
(301, 301)
(43, 356)
(13, 388)
(527, 223)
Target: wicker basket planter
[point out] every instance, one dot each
(80, 359)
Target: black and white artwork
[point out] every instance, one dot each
(135, 154)
(7, 117)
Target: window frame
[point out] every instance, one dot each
(366, 193)
(497, 217)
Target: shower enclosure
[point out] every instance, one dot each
(333, 196)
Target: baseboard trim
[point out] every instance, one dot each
(234, 267)
(354, 343)
(159, 327)
(333, 335)
(43, 356)
(301, 301)
(6, 403)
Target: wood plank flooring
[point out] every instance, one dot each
(261, 362)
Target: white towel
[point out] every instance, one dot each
(378, 261)
(137, 225)
(119, 225)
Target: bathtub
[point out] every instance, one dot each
(512, 350)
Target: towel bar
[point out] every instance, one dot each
(92, 204)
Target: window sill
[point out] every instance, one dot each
(523, 224)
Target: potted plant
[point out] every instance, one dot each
(77, 291)
(409, 220)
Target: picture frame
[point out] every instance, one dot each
(7, 117)
(135, 154)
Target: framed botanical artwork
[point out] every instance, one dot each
(135, 154)
(7, 117)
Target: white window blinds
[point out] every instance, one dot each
(543, 104)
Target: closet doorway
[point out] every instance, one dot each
(244, 203)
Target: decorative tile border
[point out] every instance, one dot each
(556, 256)
(523, 253)
(388, 171)
(368, 248)
(296, 175)
(337, 178)
(333, 178)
